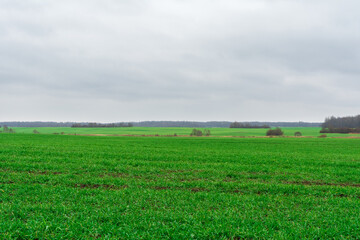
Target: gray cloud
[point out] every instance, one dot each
(178, 60)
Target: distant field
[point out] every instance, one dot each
(88, 187)
(171, 131)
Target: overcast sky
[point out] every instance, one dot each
(133, 60)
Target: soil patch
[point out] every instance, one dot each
(105, 186)
(317, 183)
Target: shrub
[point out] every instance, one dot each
(298, 134)
(8, 130)
(275, 132)
(207, 132)
(196, 132)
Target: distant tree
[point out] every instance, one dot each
(196, 132)
(6, 129)
(207, 132)
(297, 134)
(275, 132)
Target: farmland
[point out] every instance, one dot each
(62, 186)
(138, 131)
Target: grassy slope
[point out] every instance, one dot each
(181, 188)
(171, 131)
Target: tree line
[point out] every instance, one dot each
(247, 125)
(221, 124)
(349, 124)
(101, 125)
(37, 124)
(191, 124)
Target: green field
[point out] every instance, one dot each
(171, 131)
(89, 187)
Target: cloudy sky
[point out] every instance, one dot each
(132, 60)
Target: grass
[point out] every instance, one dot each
(311, 131)
(178, 188)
